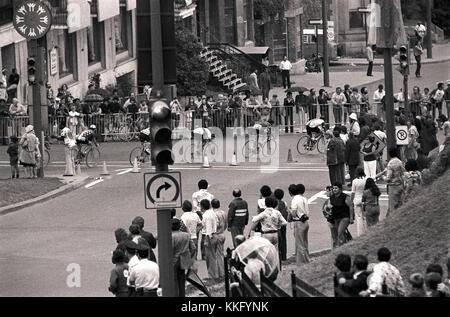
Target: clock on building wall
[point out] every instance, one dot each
(32, 19)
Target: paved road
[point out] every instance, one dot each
(39, 242)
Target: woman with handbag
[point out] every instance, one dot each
(371, 206)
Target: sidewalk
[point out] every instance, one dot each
(441, 53)
(71, 183)
(337, 79)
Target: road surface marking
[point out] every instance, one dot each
(94, 183)
(318, 195)
(125, 171)
(120, 169)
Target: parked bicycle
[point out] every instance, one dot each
(307, 144)
(89, 153)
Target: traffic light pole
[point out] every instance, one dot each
(389, 99)
(405, 86)
(429, 30)
(36, 50)
(164, 219)
(326, 73)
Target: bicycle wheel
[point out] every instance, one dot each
(250, 148)
(124, 133)
(321, 145)
(140, 155)
(46, 158)
(92, 157)
(269, 148)
(302, 145)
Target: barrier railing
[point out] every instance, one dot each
(126, 127)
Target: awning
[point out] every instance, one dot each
(254, 50)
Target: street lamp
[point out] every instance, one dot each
(365, 11)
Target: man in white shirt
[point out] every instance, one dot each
(286, 67)
(209, 223)
(201, 194)
(145, 274)
(300, 214)
(191, 220)
(338, 100)
(377, 98)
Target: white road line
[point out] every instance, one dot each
(120, 169)
(318, 195)
(94, 183)
(125, 171)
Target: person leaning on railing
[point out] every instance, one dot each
(323, 99)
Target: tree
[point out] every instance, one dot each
(192, 70)
(269, 9)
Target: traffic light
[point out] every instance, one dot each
(31, 66)
(161, 131)
(404, 60)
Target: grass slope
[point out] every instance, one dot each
(16, 190)
(417, 234)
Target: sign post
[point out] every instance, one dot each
(326, 73)
(316, 23)
(365, 11)
(33, 19)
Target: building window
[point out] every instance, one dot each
(6, 12)
(66, 51)
(95, 34)
(356, 20)
(121, 30)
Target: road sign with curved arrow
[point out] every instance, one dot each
(162, 190)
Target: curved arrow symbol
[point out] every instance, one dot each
(166, 186)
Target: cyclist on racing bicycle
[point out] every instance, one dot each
(145, 138)
(315, 125)
(86, 137)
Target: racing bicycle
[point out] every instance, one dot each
(308, 144)
(89, 153)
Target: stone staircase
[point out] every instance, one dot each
(219, 69)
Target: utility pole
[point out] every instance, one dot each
(389, 99)
(326, 73)
(429, 30)
(164, 218)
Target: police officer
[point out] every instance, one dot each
(237, 215)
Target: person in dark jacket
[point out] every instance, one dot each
(428, 139)
(13, 152)
(332, 158)
(417, 290)
(340, 156)
(115, 106)
(323, 99)
(289, 104)
(265, 84)
(118, 279)
(358, 282)
(237, 215)
(343, 262)
(282, 208)
(148, 236)
(121, 238)
(352, 157)
(312, 104)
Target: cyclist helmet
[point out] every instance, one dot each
(92, 127)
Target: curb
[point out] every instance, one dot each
(382, 63)
(55, 193)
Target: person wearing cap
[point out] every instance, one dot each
(354, 125)
(86, 137)
(191, 221)
(183, 256)
(145, 274)
(148, 236)
(29, 152)
(416, 280)
(118, 278)
(237, 215)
